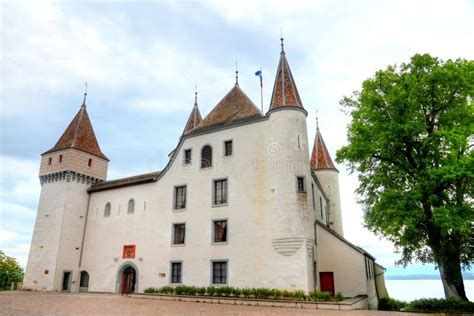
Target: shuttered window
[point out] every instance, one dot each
(206, 157)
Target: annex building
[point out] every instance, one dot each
(241, 202)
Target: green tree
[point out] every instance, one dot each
(10, 271)
(411, 143)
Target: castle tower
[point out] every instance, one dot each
(328, 175)
(292, 219)
(194, 118)
(66, 172)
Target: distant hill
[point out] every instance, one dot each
(466, 276)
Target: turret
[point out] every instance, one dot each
(290, 181)
(194, 118)
(328, 175)
(66, 172)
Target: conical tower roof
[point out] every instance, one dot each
(320, 158)
(285, 93)
(79, 135)
(194, 118)
(235, 106)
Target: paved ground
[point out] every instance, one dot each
(35, 303)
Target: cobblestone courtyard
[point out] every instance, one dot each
(35, 303)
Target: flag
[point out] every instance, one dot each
(259, 73)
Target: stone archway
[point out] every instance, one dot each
(127, 278)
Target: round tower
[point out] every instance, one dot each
(289, 178)
(328, 175)
(66, 172)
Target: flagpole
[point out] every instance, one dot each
(261, 91)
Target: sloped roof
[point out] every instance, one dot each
(235, 106)
(194, 118)
(123, 182)
(320, 158)
(79, 135)
(285, 93)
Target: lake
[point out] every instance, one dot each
(408, 290)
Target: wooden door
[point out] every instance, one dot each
(326, 280)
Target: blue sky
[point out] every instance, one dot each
(142, 61)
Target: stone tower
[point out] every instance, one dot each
(328, 175)
(66, 172)
(290, 177)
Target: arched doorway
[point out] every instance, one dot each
(84, 282)
(127, 278)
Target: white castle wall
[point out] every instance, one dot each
(270, 233)
(330, 182)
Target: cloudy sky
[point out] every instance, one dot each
(142, 61)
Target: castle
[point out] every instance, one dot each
(240, 203)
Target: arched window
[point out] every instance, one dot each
(84, 281)
(131, 206)
(206, 157)
(107, 210)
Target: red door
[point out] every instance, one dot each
(326, 280)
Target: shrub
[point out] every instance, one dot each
(151, 290)
(201, 290)
(211, 291)
(246, 292)
(320, 296)
(390, 304)
(440, 305)
(339, 297)
(166, 290)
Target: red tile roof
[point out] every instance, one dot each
(320, 158)
(194, 118)
(285, 93)
(79, 135)
(236, 105)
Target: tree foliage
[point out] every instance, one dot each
(411, 143)
(10, 271)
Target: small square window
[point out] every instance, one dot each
(300, 184)
(220, 231)
(128, 252)
(219, 272)
(228, 148)
(176, 271)
(179, 232)
(180, 197)
(220, 192)
(187, 156)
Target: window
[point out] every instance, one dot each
(131, 206)
(176, 268)
(50, 160)
(228, 148)
(321, 207)
(60, 158)
(312, 194)
(180, 197)
(179, 231)
(107, 210)
(128, 252)
(220, 192)
(206, 157)
(220, 231)
(90, 162)
(300, 184)
(187, 156)
(219, 272)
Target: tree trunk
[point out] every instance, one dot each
(451, 277)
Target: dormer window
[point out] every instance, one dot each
(90, 162)
(50, 160)
(60, 158)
